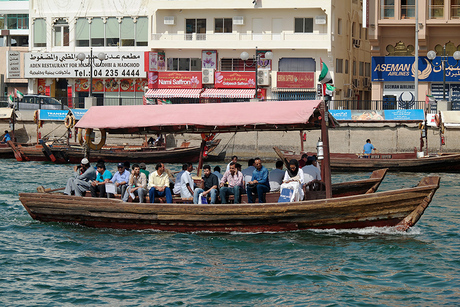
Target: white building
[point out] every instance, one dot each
(191, 50)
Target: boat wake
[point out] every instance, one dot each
(371, 231)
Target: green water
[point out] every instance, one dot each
(52, 264)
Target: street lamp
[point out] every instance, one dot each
(81, 57)
(443, 63)
(245, 56)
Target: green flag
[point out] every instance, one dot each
(329, 89)
(18, 94)
(325, 75)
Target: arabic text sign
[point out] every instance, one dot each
(119, 65)
(230, 79)
(398, 68)
(376, 115)
(169, 79)
(14, 70)
(295, 79)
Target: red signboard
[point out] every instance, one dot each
(295, 79)
(230, 79)
(175, 79)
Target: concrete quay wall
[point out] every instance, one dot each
(348, 138)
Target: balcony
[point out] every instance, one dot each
(244, 40)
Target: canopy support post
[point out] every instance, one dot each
(326, 165)
(301, 141)
(200, 161)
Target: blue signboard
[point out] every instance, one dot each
(59, 115)
(378, 115)
(401, 68)
(341, 114)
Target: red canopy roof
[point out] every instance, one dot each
(219, 117)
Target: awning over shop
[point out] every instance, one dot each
(206, 117)
(173, 93)
(228, 93)
(285, 89)
(6, 113)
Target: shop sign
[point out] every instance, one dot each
(120, 65)
(401, 68)
(13, 71)
(156, 61)
(295, 79)
(209, 59)
(111, 85)
(378, 115)
(230, 79)
(174, 79)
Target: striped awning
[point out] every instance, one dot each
(285, 89)
(173, 93)
(228, 93)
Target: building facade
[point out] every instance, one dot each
(191, 51)
(392, 35)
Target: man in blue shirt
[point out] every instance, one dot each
(6, 137)
(368, 147)
(259, 183)
(103, 176)
(120, 179)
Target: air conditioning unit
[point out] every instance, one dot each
(356, 83)
(238, 20)
(348, 93)
(263, 77)
(207, 75)
(170, 20)
(367, 82)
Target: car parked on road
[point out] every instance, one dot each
(34, 102)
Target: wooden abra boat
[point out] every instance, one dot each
(401, 208)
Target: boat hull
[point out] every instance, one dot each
(400, 208)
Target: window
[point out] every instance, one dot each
(39, 32)
(297, 64)
(142, 31)
(82, 32)
(61, 33)
(2, 22)
(97, 32)
(361, 69)
(360, 30)
(197, 26)
(354, 68)
(455, 9)
(436, 9)
(17, 21)
(112, 32)
(223, 25)
(339, 26)
(353, 30)
(339, 66)
(387, 9)
(303, 25)
(346, 66)
(184, 64)
(127, 31)
(407, 9)
(367, 69)
(237, 65)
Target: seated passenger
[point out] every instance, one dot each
(303, 160)
(6, 137)
(159, 184)
(209, 185)
(144, 170)
(310, 172)
(187, 185)
(259, 183)
(137, 184)
(234, 178)
(294, 180)
(276, 177)
(81, 182)
(177, 184)
(217, 172)
(102, 177)
(247, 172)
(120, 179)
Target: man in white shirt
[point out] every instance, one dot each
(234, 159)
(276, 177)
(187, 184)
(177, 183)
(310, 171)
(247, 172)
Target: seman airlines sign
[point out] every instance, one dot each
(399, 69)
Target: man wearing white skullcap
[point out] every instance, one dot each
(81, 182)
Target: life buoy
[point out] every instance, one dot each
(437, 120)
(207, 137)
(80, 137)
(101, 142)
(36, 116)
(205, 152)
(69, 121)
